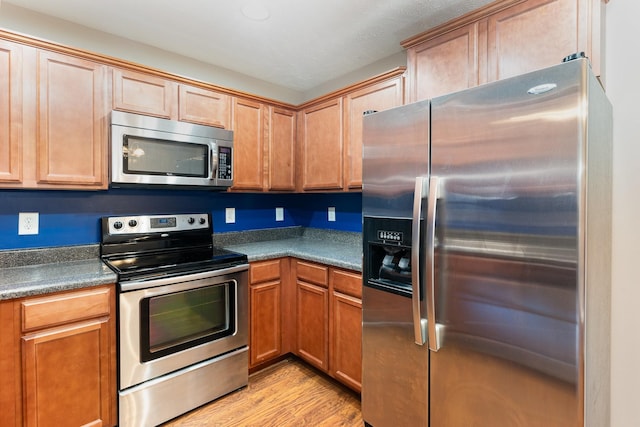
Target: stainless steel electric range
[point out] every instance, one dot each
(182, 315)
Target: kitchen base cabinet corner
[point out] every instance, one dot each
(329, 320)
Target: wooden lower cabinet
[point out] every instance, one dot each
(329, 320)
(62, 369)
(311, 310)
(346, 327)
(313, 324)
(265, 302)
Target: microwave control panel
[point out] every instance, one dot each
(224, 163)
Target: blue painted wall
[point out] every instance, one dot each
(72, 217)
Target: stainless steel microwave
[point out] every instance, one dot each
(149, 151)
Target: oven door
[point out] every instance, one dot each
(176, 322)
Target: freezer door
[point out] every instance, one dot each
(395, 151)
(508, 162)
(395, 380)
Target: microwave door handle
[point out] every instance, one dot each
(213, 162)
(419, 327)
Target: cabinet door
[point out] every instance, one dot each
(531, 35)
(281, 149)
(346, 342)
(10, 390)
(72, 122)
(378, 97)
(144, 94)
(444, 64)
(266, 330)
(10, 112)
(204, 107)
(313, 324)
(248, 119)
(321, 146)
(66, 372)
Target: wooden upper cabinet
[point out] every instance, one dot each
(503, 39)
(248, 134)
(203, 106)
(444, 64)
(72, 122)
(145, 94)
(321, 144)
(378, 97)
(280, 153)
(10, 112)
(532, 35)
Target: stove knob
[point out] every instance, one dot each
(202, 220)
(117, 225)
(133, 223)
(191, 220)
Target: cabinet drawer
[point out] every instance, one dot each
(64, 308)
(312, 273)
(263, 271)
(347, 282)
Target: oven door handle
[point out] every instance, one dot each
(142, 284)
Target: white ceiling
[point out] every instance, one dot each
(302, 43)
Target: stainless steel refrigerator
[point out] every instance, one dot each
(487, 255)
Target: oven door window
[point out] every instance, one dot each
(177, 321)
(150, 156)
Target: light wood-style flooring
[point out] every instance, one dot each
(289, 393)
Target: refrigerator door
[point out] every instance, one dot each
(395, 370)
(508, 160)
(395, 151)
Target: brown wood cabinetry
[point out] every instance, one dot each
(265, 303)
(248, 138)
(329, 320)
(151, 95)
(281, 151)
(531, 35)
(320, 140)
(503, 39)
(61, 362)
(330, 132)
(444, 64)
(53, 120)
(379, 96)
(312, 313)
(10, 112)
(203, 106)
(346, 327)
(72, 122)
(145, 94)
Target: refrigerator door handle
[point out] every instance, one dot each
(434, 331)
(419, 322)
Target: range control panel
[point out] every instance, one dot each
(157, 223)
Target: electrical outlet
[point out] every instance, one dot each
(331, 214)
(279, 214)
(28, 223)
(230, 215)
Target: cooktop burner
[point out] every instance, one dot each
(151, 246)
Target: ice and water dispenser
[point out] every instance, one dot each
(387, 247)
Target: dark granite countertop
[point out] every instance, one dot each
(336, 248)
(17, 282)
(39, 271)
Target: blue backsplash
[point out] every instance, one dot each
(73, 217)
